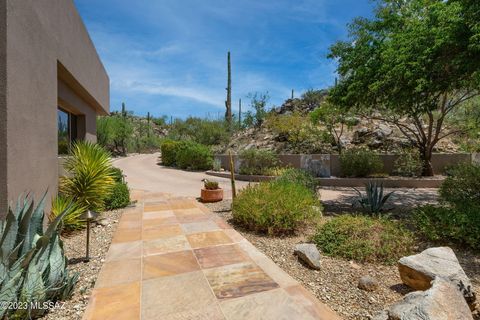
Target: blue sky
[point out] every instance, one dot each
(168, 57)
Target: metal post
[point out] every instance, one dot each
(87, 258)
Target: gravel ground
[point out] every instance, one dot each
(335, 284)
(74, 245)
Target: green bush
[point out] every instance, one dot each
(276, 207)
(257, 162)
(364, 239)
(194, 156)
(71, 210)
(33, 262)
(91, 177)
(408, 164)
(462, 187)
(169, 150)
(203, 131)
(119, 197)
(449, 224)
(117, 174)
(300, 177)
(360, 162)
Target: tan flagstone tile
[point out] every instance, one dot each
(124, 251)
(238, 280)
(119, 272)
(267, 265)
(130, 224)
(159, 246)
(188, 212)
(127, 235)
(234, 235)
(162, 231)
(158, 214)
(120, 302)
(156, 222)
(156, 207)
(182, 204)
(317, 310)
(131, 216)
(217, 256)
(269, 305)
(205, 239)
(166, 296)
(169, 264)
(189, 218)
(221, 222)
(211, 312)
(201, 226)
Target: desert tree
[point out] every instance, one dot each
(411, 65)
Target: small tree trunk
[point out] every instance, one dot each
(426, 156)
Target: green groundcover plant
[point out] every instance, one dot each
(364, 239)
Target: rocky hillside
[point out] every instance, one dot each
(375, 135)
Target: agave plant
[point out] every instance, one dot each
(33, 263)
(72, 211)
(374, 199)
(91, 176)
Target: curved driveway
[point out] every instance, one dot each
(143, 173)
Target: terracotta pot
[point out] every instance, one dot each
(211, 195)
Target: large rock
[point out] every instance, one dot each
(308, 253)
(419, 270)
(443, 301)
(367, 283)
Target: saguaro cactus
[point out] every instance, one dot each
(228, 102)
(239, 113)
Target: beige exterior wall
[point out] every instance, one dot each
(50, 60)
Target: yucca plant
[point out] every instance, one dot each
(33, 264)
(91, 176)
(72, 211)
(374, 199)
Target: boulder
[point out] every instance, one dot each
(443, 301)
(367, 283)
(419, 270)
(308, 253)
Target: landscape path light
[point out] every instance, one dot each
(88, 216)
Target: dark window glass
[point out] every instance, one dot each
(67, 130)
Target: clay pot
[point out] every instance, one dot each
(211, 195)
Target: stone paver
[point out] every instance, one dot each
(171, 258)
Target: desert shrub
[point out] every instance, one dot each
(408, 164)
(449, 224)
(194, 156)
(258, 162)
(91, 177)
(300, 177)
(71, 211)
(119, 197)
(117, 174)
(274, 207)
(364, 239)
(33, 262)
(169, 150)
(217, 165)
(203, 131)
(360, 162)
(462, 187)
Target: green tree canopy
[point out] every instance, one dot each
(411, 65)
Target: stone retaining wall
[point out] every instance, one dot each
(328, 165)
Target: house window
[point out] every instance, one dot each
(67, 130)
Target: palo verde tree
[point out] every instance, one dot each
(411, 65)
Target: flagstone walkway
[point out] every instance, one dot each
(171, 258)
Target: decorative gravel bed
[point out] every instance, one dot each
(335, 284)
(74, 245)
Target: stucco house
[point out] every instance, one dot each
(52, 87)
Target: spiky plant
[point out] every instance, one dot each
(33, 264)
(71, 220)
(91, 177)
(374, 199)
